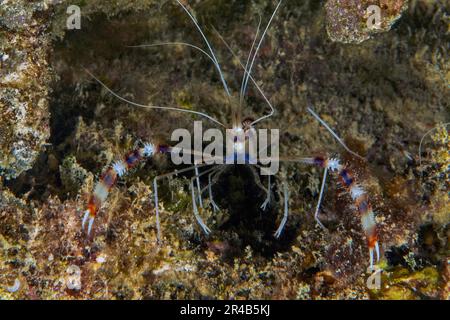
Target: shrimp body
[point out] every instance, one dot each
(243, 131)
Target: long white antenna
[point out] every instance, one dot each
(259, 45)
(421, 141)
(244, 77)
(212, 59)
(159, 44)
(209, 47)
(152, 107)
(272, 109)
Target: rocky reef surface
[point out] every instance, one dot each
(24, 85)
(354, 21)
(386, 93)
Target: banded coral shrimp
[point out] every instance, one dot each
(242, 129)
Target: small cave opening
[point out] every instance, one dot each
(239, 192)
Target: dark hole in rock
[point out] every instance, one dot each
(238, 192)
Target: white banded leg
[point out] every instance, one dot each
(267, 201)
(259, 184)
(377, 251)
(212, 179)
(211, 199)
(200, 201)
(204, 227)
(286, 211)
(87, 218)
(316, 213)
(211, 182)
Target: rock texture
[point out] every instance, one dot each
(25, 76)
(352, 21)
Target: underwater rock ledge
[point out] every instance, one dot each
(25, 76)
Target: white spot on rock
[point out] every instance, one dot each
(15, 287)
(73, 280)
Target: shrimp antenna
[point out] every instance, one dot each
(272, 109)
(315, 115)
(159, 44)
(176, 43)
(216, 62)
(212, 59)
(152, 107)
(257, 48)
(186, 44)
(423, 138)
(241, 95)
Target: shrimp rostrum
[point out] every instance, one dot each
(242, 146)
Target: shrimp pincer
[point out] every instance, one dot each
(358, 196)
(109, 178)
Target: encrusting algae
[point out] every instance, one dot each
(60, 130)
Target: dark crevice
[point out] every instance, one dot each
(242, 198)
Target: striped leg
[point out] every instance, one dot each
(211, 182)
(267, 201)
(200, 201)
(286, 211)
(359, 197)
(211, 198)
(356, 192)
(109, 179)
(316, 213)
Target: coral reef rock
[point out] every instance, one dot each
(354, 21)
(24, 84)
